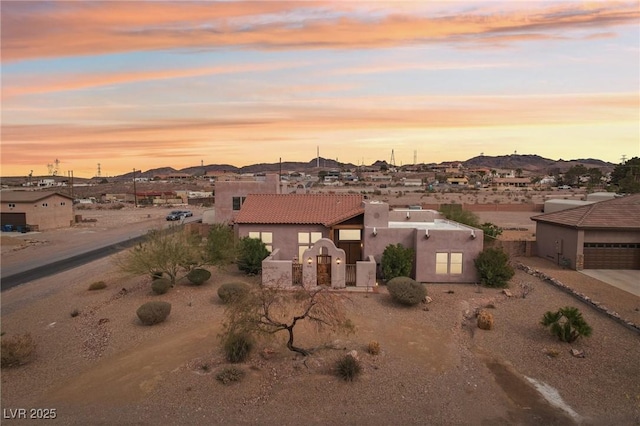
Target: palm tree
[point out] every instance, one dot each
(567, 323)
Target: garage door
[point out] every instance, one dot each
(14, 219)
(611, 256)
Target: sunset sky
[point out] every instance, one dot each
(146, 84)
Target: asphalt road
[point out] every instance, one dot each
(76, 252)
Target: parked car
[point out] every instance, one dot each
(176, 215)
(564, 187)
(179, 214)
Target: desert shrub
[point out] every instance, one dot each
(229, 292)
(396, 261)
(237, 347)
(16, 350)
(161, 285)
(198, 276)
(156, 275)
(98, 285)
(153, 312)
(373, 347)
(75, 313)
(456, 213)
(229, 375)
(491, 231)
(251, 253)
(406, 291)
(348, 368)
(494, 268)
(567, 324)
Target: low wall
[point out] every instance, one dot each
(276, 272)
(492, 207)
(516, 248)
(366, 273)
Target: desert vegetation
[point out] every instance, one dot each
(97, 285)
(348, 367)
(567, 324)
(152, 313)
(228, 292)
(265, 311)
(16, 350)
(406, 291)
(397, 261)
(494, 268)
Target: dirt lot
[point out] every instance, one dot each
(436, 366)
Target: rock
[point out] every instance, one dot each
(485, 320)
(267, 353)
(353, 354)
(577, 353)
(507, 293)
(427, 300)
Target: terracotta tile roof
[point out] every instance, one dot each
(618, 213)
(28, 196)
(321, 209)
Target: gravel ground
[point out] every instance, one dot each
(435, 367)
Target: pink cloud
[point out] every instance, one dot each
(84, 28)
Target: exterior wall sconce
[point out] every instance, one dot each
(338, 261)
(408, 215)
(426, 234)
(375, 231)
(473, 235)
(309, 260)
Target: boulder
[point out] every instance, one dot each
(485, 320)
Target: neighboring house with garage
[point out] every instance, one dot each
(602, 235)
(338, 240)
(41, 210)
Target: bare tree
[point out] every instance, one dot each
(269, 310)
(172, 251)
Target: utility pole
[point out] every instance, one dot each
(135, 194)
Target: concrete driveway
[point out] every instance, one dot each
(624, 279)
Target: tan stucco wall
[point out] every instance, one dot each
(225, 191)
(52, 212)
(557, 242)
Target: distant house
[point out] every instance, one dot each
(512, 182)
(153, 198)
(601, 235)
(338, 240)
(458, 181)
(41, 210)
(412, 182)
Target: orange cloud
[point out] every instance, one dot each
(96, 28)
(37, 84)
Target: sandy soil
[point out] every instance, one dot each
(436, 366)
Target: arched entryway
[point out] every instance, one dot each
(324, 264)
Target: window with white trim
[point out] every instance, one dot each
(265, 237)
(449, 263)
(306, 240)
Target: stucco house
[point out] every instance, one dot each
(41, 210)
(338, 240)
(230, 195)
(602, 235)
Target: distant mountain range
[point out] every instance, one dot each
(532, 163)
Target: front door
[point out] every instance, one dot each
(324, 269)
